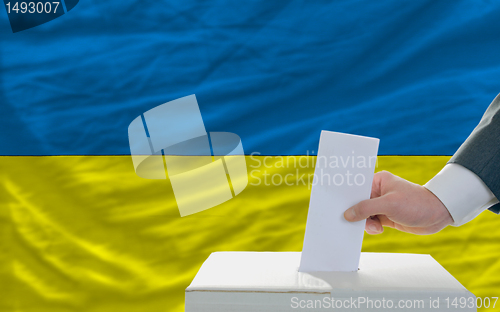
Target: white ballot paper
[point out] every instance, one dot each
(343, 177)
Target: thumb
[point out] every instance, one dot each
(369, 207)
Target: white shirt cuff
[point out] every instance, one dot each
(462, 192)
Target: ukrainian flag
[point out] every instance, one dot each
(80, 231)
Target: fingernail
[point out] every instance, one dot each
(373, 228)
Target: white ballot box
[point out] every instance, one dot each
(271, 282)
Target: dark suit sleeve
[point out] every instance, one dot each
(480, 153)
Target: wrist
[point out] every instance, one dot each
(442, 215)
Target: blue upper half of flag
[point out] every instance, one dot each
(416, 74)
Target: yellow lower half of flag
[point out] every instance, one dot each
(85, 233)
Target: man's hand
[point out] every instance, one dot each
(402, 205)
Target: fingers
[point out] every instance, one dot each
(386, 221)
(376, 188)
(373, 226)
(369, 207)
(380, 179)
